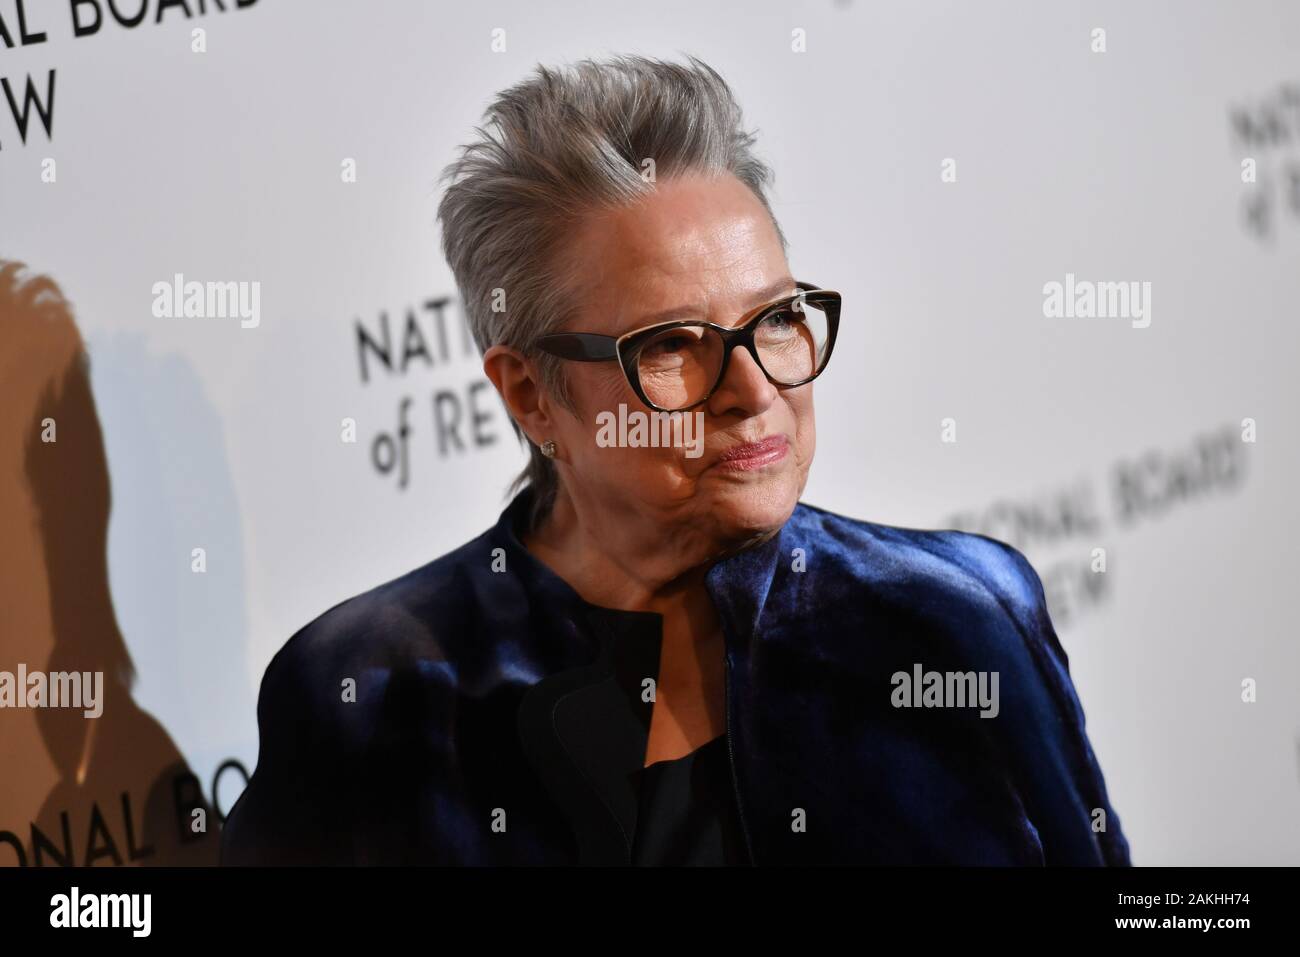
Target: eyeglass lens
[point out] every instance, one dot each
(678, 366)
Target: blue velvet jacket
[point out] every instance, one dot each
(478, 711)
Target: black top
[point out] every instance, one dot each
(686, 812)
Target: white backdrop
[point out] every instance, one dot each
(1122, 165)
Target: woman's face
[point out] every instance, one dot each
(697, 248)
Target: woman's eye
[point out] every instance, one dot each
(668, 345)
(783, 322)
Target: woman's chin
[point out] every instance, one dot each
(747, 509)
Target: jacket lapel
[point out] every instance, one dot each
(585, 730)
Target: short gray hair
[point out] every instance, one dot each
(562, 143)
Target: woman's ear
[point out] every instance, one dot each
(517, 382)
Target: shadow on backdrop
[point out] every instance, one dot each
(116, 789)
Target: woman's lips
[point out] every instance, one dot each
(754, 455)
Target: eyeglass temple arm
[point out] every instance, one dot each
(580, 346)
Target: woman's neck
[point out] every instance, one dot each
(621, 563)
(651, 571)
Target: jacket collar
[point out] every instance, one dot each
(584, 725)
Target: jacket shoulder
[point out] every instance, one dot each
(330, 688)
(981, 594)
(988, 601)
(980, 568)
(409, 613)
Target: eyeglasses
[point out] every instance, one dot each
(675, 366)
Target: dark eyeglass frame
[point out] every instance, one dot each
(594, 347)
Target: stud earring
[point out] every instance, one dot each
(548, 448)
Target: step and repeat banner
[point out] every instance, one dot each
(1068, 241)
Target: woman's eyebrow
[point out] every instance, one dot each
(780, 288)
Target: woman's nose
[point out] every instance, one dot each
(744, 388)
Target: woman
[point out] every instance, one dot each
(658, 655)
